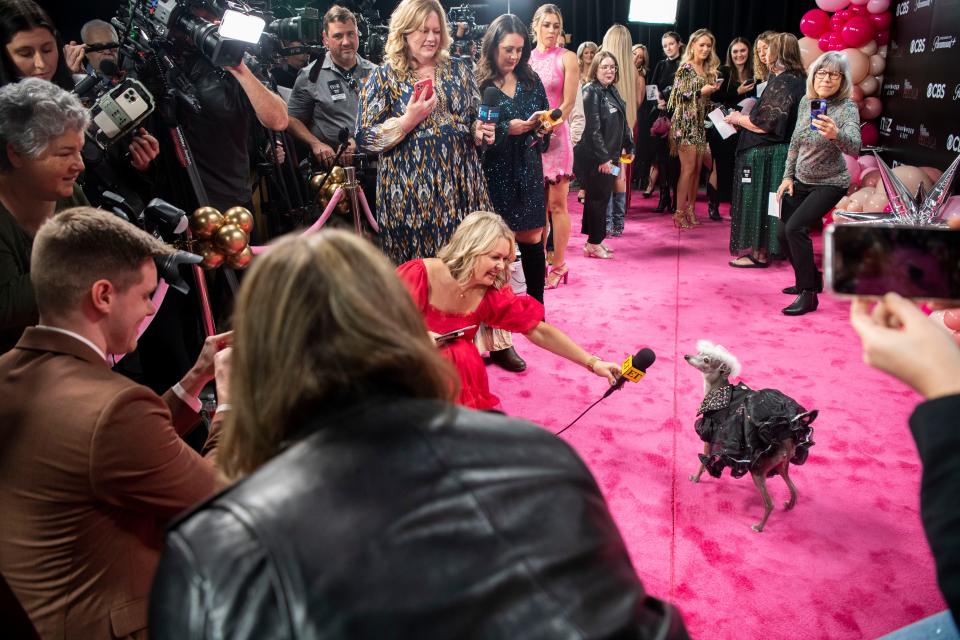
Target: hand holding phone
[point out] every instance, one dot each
(423, 89)
(817, 109)
(450, 336)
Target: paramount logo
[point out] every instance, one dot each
(922, 4)
(944, 42)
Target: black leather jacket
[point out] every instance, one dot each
(407, 519)
(605, 130)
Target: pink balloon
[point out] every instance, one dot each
(870, 178)
(809, 51)
(839, 19)
(870, 48)
(883, 37)
(870, 85)
(836, 41)
(951, 318)
(857, 4)
(877, 64)
(868, 161)
(853, 167)
(856, 94)
(854, 207)
(912, 177)
(823, 42)
(932, 172)
(833, 5)
(876, 202)
(859, 10)
(869, 135)
(859, 65)
(871, 108)
(814, 23)
(842, 205)
(951, 208)
(858, 31)
(877, 6)
(862, 195)
(882, 21)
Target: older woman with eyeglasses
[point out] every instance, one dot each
(816, 175)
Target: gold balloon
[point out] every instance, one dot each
(239, 216)
(205, 221)
(317, 179)
(240, 260)
(329, 190)
(230, 239)
(337, 175)
(211, 258)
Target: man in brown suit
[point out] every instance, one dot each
(91, 464)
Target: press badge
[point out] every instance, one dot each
(336, 90)
(745, 175)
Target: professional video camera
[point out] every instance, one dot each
(465, 31)
(372, 31)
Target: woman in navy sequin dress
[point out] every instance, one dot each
(513, 167)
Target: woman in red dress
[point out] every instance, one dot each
(464, 286)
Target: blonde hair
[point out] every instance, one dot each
(712, 63)
(583, 48)
(475, 236)
(785, 52)
(617, 41)
(409, 16)
(760, 69)
(831, 61)
(321, 321)
(541, 13)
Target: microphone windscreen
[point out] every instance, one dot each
(109, 68)
(555, 114)
(491, 96)
(643, 359)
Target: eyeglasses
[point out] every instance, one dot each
(823, 74)
(607, 67)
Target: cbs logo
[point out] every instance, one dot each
(953, 143)
(918, 46)
(935, 90)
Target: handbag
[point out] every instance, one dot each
(660, 127)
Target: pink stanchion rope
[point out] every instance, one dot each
(322, 220)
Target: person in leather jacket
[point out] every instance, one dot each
(596, 158)
(365, 504)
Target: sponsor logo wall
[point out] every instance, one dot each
(921, 87)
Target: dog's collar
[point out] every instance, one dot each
(716, 399)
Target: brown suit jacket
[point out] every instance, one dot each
(91, 468)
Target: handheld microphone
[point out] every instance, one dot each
(489, 110)
(553, 118)
(633, 369)
(109, 68)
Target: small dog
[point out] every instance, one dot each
(757, 431)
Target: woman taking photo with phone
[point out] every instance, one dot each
(762, 154)
(816, 176)
(465, 285)
(512, 164)
(596, 158)
(429, 174)
(695, 82)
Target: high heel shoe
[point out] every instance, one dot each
(557, 275)
(680, 219)
(596, 251)
(692, 217)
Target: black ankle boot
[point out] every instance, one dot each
(508, 359)
(664, 203)
(713, 203)
(795, 291)
(805, 303)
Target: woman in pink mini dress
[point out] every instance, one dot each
(560, 74)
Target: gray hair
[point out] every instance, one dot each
(32, 113)
(831, 61)
(96, 24)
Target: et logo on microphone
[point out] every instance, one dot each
(631, 373)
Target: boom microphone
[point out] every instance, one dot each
(633, 369)
(489, 110)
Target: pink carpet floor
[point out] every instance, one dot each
(850, 561)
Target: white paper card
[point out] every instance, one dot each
(747, 105)
(760, 88)
(653, 92)
(723, 128)
(773, 205)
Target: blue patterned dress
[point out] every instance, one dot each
(430, 179)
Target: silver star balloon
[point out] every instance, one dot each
(922, 209)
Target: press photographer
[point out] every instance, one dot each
(465, 32)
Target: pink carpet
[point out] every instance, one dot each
(850, 561)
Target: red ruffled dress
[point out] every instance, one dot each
(499, 308)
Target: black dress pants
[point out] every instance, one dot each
(798, 214)
(598, 187)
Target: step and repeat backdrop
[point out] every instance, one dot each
(920, 123)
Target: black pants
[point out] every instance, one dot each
(798, 214)
(598, 187)
(668, 167)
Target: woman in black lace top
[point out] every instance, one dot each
(762, 154)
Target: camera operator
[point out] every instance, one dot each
(327, 93)
(98, 32)
(93, 463)
(286, 74)
(41, 135)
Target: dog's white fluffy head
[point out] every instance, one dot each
(719, 352)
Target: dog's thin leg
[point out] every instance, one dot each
(760, 480)
(703, 467)
(785, 472)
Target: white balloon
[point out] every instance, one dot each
(869, 49)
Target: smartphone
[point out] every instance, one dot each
(423, 89)
(452, 335)
(118, 112)
(614, 170)
(817, 108)
(871, 259)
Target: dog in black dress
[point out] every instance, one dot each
(761, 432)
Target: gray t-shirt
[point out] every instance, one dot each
(330, 103)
